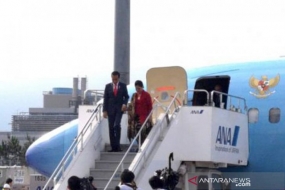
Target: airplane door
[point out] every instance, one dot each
(208, 83)
(164, 82)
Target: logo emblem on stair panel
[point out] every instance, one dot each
(225, 136)
(197, 111)
(227, 139)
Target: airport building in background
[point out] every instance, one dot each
(60, 106)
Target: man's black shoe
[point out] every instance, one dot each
(111, 150)
(118, 150)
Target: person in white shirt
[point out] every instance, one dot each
(8, 184)
(127, 181)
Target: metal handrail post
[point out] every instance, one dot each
(230, 96)
(195, 90)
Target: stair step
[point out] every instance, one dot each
(104, 173)
(101, 164)
(105, 167)
(102, 182)
(124, 147)
(116, 156)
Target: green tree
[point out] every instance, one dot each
(4, 153)
(25, 147)
(12, 153)
(14, 150)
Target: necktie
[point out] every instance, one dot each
(115, 90)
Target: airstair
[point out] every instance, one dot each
(179, 129)
(87, 156)
(200, 137)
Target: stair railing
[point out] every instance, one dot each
(71, 152)
(196, 90)
(98, 94)
(166, 115)
(230, 100)
(210, 101)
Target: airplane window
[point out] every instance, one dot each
(274, 115)
(164, 96)
(253, 115)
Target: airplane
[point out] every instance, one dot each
(258, 83)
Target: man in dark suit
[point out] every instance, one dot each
(115, 103)
(216, 97)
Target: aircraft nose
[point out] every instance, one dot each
(46, 152)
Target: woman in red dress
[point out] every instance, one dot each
(139, 109)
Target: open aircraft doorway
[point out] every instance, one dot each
(163, 84)
(210, 83)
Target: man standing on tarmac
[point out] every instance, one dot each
(115, 103)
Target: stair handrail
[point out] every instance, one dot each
(73, 147)
(165, 116)
(160, 104)
(139, 136)
(96, 92)
(221, 94)
(196, 90)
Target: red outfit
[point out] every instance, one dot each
(143, 106)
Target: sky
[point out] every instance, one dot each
(45, 43)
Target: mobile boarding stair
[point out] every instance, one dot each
(87, 155)
(199, 136)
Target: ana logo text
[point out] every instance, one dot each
(90, 111)
(225, 136)
(196, 111)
